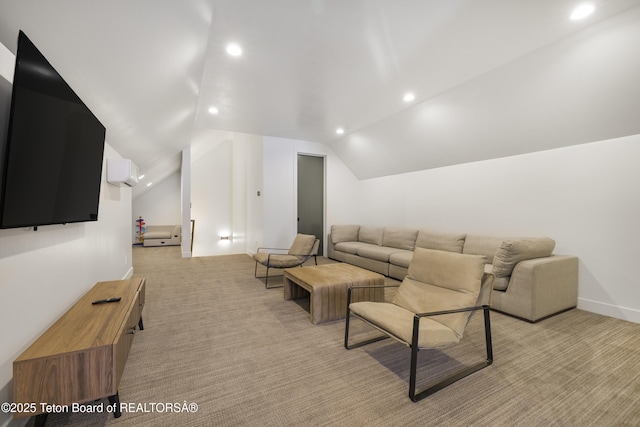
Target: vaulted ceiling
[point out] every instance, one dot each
(491, 78)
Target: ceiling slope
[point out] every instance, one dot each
(582, 89)
(491, 78)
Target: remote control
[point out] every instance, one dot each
(102, 301)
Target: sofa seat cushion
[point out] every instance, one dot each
(350, 247)
(344, 233)
(401, 238)
(512, 252)
(401, 258)
(379, 253)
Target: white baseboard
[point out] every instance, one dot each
(129, 274)
(610, 310)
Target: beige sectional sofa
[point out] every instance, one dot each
(530, 281)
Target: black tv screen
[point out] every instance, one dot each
(52, 158)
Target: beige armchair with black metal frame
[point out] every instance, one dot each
(304, 247)
(431, 309)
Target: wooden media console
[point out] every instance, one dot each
(81, 357)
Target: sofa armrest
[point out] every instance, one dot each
(541, 287)
(330, 247)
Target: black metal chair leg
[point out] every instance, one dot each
(487, 335)
(346, 328)
(458, 375)
(266, 278)
(414, 359)
(346, 322)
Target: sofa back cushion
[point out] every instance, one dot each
(451, 242)
(344, 233)
(512, 252)
(371, 235)
(401, 238)
(482, 245)
(158, 231)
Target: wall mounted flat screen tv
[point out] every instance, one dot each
(51, 164)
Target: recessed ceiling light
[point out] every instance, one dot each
(149, 184)
(340, 131)
(141, 176)
(213, 110)
(408, 97)
(582, 11)
(234, 49)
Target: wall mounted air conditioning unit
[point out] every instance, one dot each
(122, 171)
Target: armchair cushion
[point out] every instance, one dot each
(303, 244)
(438, 281)
(399, 322)
(512, 252)
(449, 270)
(458, 285)
(277, 260)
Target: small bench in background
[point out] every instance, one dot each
(162, 235)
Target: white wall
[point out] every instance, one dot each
(160, 205)
(254, 196)
(43, 272)
(224, 186)
(586, 197)
(211, 199)
(246, 182)
(280, 191)
(185, 201)
(222, 172)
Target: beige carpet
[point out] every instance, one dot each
(214, 336)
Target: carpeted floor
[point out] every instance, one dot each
(215, 337)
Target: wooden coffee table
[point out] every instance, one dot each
(327, 287)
